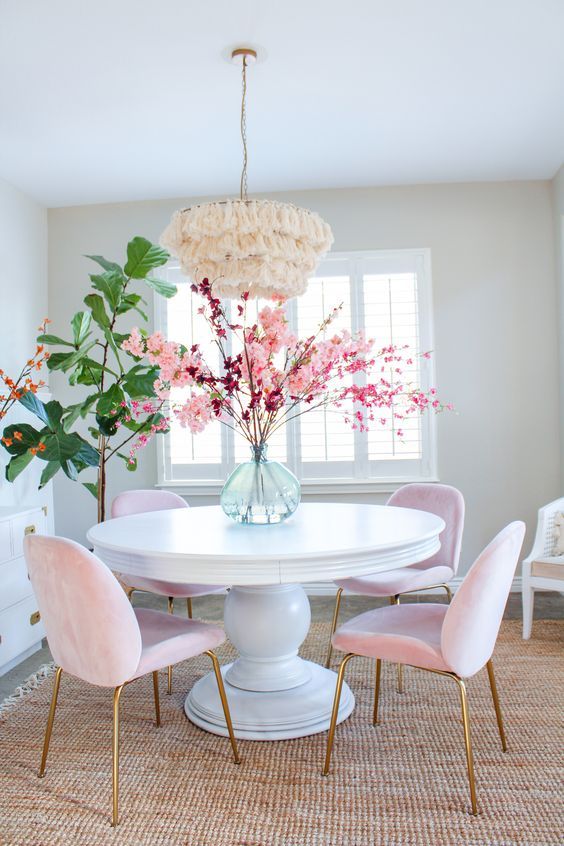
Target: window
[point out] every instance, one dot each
(388, 294)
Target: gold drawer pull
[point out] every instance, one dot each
(35, 618)
(29, 530)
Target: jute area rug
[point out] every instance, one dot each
(403, 782)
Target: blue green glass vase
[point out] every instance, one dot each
(260, 491)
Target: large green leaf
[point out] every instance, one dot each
(107, 265)
(56, 361)
(80, 409)
(87, 455)
(88, 372)
(54, 411)
(131, 301)
(110, 284)
(30, 437)
(161, 286)
(107, 425)
(96, 305)
(142, 256)
(53, 339)
(140, 384)
(35, 405)
(17, 464)
(75, 357)
(80, 326)
(110, 401)
(49, 471)
(60, 446)
(92, 487)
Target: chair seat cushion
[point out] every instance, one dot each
(166, 639)
(179, 590)
(397, 581)
(551, 567)
(403, 634)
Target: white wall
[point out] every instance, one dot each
(558, 211)
(23, 305)
(494, 289)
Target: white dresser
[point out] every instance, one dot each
(21, 629)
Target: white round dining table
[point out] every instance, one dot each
(273, 693)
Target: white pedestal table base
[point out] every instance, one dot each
(273, 694)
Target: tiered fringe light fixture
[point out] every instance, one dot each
(267, 248)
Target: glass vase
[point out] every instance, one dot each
(260, 491)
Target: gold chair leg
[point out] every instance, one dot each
(497, 706)
(189, 607)
(224, 704)
(115, 754)
(467, 743)
(335, 712)
(170, 611)
(375, 720)
(334, 625)
(49, 729)
(448, 592)
(395, 600)
(156, 695)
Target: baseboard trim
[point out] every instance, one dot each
(330, 589)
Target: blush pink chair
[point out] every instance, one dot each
(444, 501)
(95, 634)
(455, 640)
(139, 502)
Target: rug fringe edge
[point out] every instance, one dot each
(30, 684)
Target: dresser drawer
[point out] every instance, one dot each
(32, 523)
(19, 629)
(14, 582)
(5, 542)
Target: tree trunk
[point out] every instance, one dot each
(102, 480)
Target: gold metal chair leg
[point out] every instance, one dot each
(115, 754)
(189, 606)
(170, 611)
(467, 742)
(497, 706)
(448, 592)
(49, 729)
(395, 600)
(334, 625)
(335, 712)
(225, 705)
(156, 695)
(375, 720)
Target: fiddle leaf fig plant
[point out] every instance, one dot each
(117, 395)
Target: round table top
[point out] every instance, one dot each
(319, 542)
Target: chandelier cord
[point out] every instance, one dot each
(244, 132)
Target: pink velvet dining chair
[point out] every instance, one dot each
(139, 502)
(455, 641)
(95, 634)
(444, 501)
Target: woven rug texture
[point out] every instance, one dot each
(402, 782)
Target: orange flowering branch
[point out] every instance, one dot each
(13, 390)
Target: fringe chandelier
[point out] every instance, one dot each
(267, 248)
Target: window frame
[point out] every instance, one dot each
(419, 260)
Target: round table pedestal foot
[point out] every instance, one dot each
(272, 715)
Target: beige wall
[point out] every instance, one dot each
(558, 211)
(493, 270)
(23, 304)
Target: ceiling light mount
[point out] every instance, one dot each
(243, 55)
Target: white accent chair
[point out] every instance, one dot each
(542, 570)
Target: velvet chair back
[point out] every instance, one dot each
(138, 502)
(444, 501)
(91, 627)
(473, 618)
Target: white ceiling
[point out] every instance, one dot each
(131, 99)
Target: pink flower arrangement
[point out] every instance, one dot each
(276, 376)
